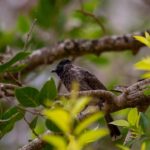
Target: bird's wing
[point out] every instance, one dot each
(92, 81)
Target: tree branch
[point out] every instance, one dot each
(81, 47)
(133, 96)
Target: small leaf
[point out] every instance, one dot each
(144, 64)
(48, 91)
(60, 117)
(51, 126)
(91, 136)
(33, 122)
(147, 35)
(87, 122)
(80, 105)
(143, 146)
(19, 56)
(57, 141)
(10, 117)
(122, 123)
(145, 75)
(27, 96)
(122, 147)
(142, 40)
(133, 116)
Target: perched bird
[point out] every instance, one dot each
(68, 73)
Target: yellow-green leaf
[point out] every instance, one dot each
(147, 35)
(87, 122)
(80, 105)
(146, 75)
(122, 147)
(91, 136)
(73, 144)
(143, 146)
(133, 116)
(122, 123)
(144, 64)
(57, 141)
(60, 117)
(142, 40)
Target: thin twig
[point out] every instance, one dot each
(91, 15)
(33, 131)
(29, 34)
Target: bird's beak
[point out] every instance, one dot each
(53, 71)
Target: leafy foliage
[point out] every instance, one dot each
(19, 56)
(75, 134)
(8, 120)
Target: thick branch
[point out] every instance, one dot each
(81, 47)
(133, 96)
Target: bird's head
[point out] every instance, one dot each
(61, 66)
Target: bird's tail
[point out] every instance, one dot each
(114, 131)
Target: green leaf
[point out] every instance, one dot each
(51, 126)
(33, 122)
(19, 56)
(133, 116)
(48, 91)
(122, 123)
(91, 136)
(57, 141)
(23, 24)
(147, 91)
(8, 119)
(80, 105)
(17, 68)
(87, 122)
(27, 96)
(60, 117)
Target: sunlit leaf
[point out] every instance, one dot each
(91, 136)
(133, 116)
(122, 147)
(57, 141)
(147, 35)
(144, 64)
(122, 123)
(143, 146)
(27, 96)
(60, 117)
(87, 122)
(146, 75)
(73, 144)
(142, 40)
(80, 105)
(19, 56)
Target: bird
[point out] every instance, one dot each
(68, 73)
